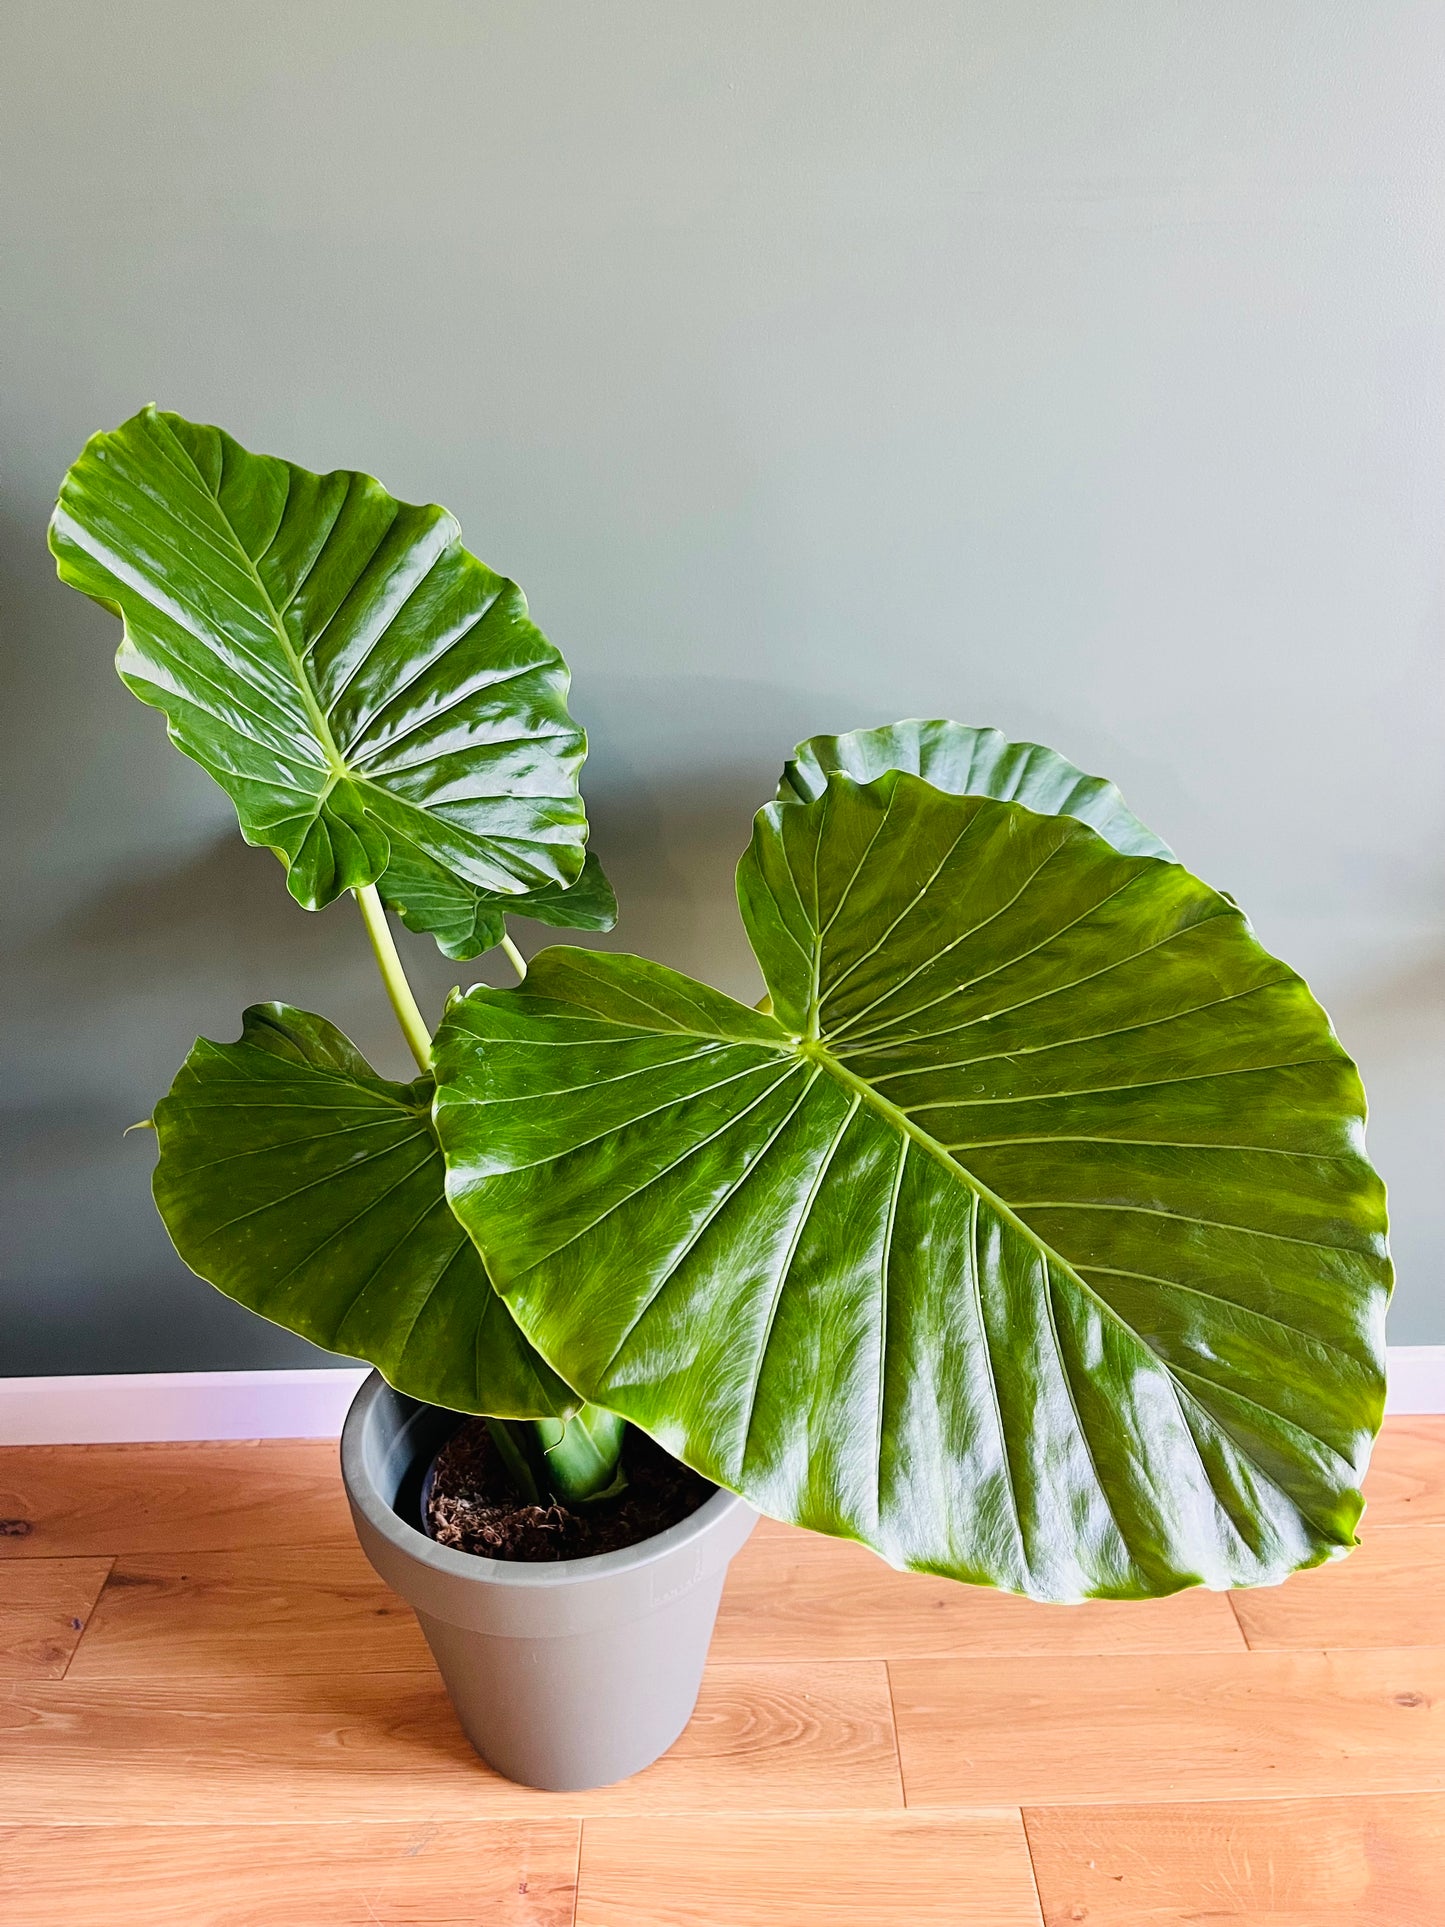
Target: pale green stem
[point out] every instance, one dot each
(576, 1460)
(413, 1025)
(512, 1437)
(514, 957)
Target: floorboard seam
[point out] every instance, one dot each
(90, 1616)
(1243, 1629)
(893, 1729)
(577, 1872)
(1033, 1864)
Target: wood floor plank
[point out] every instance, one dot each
(1390, 1591)
(797, 1595)
(369, 1746)
(246, 1684)
(69, 1500)
(272, 1609)
(1262, 1863)
(507, 1873)
(1043, 1732)
(819, 1870)
(1405, 1484)
(44, 1607)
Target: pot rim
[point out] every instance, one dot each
(418, 1545)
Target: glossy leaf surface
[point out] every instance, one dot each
(1031, 1241)
(972, 762)
(360, 685)
(309, 1189)
(466, 921)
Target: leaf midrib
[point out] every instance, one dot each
(315, 713)
(900, 1121)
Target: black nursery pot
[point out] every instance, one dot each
(565, 1675)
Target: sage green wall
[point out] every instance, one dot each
(1076, 369)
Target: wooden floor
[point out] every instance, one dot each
(214, 1715)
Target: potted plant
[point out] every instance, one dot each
(1024, 1232)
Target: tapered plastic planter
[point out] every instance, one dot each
(564, 1676)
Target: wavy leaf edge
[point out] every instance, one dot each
(794, 1043)
(290, 702)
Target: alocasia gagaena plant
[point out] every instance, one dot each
(1024, 1232)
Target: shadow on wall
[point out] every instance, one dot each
(133, 919)
(105, 1002)
(115, 991)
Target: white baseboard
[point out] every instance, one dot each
(136, 1407)
(1417, 1379)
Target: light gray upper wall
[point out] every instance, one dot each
(1074, 369)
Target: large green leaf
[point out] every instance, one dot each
(972, 762)
(1031, 1241)
(300, 1183)
(355, 680)
(466, 921)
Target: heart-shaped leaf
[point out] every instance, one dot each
(466, 921)
(972, 762)
(346, 671)
(309, 1189)
(1031, 1241)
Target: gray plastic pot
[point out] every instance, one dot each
(563, 1676)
